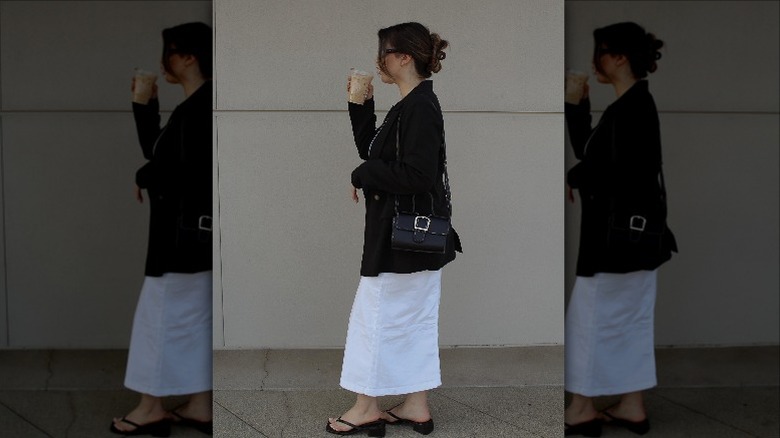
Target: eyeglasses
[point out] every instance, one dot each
(389, 51)
(603, 51)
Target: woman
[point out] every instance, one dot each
(392, 340)
(170, 346)
(623, 237)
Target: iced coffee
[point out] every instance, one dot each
(358, 86)
(575, 86)
(144, 86)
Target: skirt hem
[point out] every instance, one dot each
(379, 392)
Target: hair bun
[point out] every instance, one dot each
(438, 54)
(653, 45)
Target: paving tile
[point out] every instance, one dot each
(13, 425)
(536, 409)
(305, 413)
(706, 412)
(713, 367)
(76, 414)
(88, 369)
(239, 369)
(313, 369)
(512, 366)
(24, 369)
(321, 369)
(228, 425)
(753, 411)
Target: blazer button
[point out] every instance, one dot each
(376, 197)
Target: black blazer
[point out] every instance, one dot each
(177, 178)
(620, 163)
(415, 172)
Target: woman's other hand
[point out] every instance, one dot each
(139, 195)
(354, 195)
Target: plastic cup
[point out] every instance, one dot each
(144, 86)
(358, 85)
(575, 86)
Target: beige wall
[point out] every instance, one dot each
(74, 239)
(290, 237)
(717, 92)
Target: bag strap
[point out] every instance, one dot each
(660, 171)
(442, 161)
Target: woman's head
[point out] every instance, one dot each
(630, 40)
(425, 48)
(189, 39)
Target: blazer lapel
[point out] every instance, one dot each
(385, 138)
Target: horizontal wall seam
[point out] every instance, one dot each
(217, 111)
(71, 111)
(378, 110)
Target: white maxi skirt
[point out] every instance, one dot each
(609, 345)
(170, 346)
(393, 336)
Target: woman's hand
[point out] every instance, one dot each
(369, 90)
(354, 195)
(569, 193)
(139, 195)
(154, 89)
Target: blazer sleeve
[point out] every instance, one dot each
(363, 125)
(147, 124)
(578, 120)
(420, 139)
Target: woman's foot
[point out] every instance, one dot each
(140, 417)
(581, 417)
(630, 417)
(190, 412)
(408, 412)
(356, 415)
(586, 414)
(630, 413)
(590, 428)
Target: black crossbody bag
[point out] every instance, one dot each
(639, 228)
(417, 232)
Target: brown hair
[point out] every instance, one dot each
(630, 40)
(189, 39)
(415, 40)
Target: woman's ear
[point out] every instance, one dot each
(189, 60)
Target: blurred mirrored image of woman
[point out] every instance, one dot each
(171, 342)
(624, 237)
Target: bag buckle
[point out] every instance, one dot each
(418, 227)
(637, 223)
(204, 223)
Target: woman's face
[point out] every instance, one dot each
(607, 64)
(176, 66)
(388, 64)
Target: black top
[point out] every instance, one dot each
(620, 163)
(177, 178)
(417, 121)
